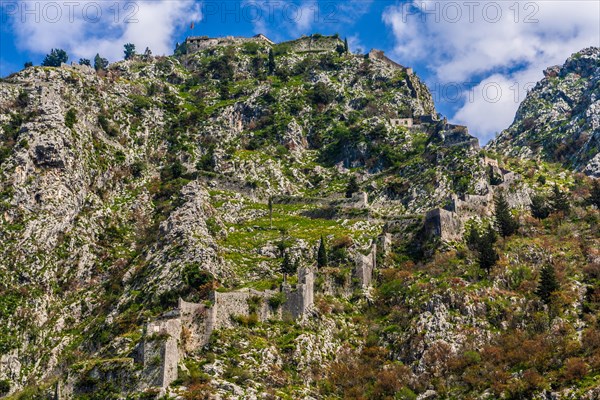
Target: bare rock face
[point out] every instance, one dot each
(559, 120)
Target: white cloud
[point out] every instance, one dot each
(503, 42)
(91, 27)
(282, 20)
(355, 44)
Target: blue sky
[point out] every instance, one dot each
(478, 57)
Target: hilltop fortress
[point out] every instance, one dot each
(312, 43)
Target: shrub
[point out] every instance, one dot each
(71, 118)
(276, 300)
(575, 369)
(322, 94)
(194, 276)
(4, 386)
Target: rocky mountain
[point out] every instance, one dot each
(248, 219)
(559, 120)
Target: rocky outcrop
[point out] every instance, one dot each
(559, 120)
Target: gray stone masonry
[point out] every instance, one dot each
(299, 301)
(189, 327)
(199, 43)
(364, 267)
(448, 223)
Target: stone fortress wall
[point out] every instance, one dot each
(448, 223)
(199, 43)
(189, 327)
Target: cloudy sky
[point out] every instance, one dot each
(478, 57)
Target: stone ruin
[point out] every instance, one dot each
(364, 267)
(199, 43)
(376, 54)
(448, 223)
(189, 327)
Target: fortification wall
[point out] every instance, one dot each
(443, 224)
(199, 43)
(300, 300)
(161, 351)
(376, 54)
(244, 302)
(364, 267)
(194, 325)
(315, 43)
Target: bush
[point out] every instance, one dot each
(194, 276)
(71, 118)
(4, 387)
(322, 94)
(277, 300)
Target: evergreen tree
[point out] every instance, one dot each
(129, 51)
(55, 58)
(100, 63)
(287, 266)
(559, 200)
(505, 222)
(473, 238)
(487, 255)
(539, 207)
(352, 187)
(548, 283)
(180, 49)
(85, 61)
(346, 49)
(28, 64)
(147, 53)
(594, 198)
(322, 254)
(271, 63)
(271, 212)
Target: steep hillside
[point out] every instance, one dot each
(259, 220)
(559, 120)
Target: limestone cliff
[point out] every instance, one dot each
(559, 120)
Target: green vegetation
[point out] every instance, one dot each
(129, 51)
(322, 259)
(505, 222)
(548, 284)
(55, 58)
(71, 118)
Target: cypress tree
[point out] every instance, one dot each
(559, 200)
(487, 255)
(100, 63)
(322, 254)
(539, 207)
(505, 222)
(548, 283)
(473, 238)
(352, 187)
(271, 64)
(129, 51)
(346, 49)
(271, 212)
